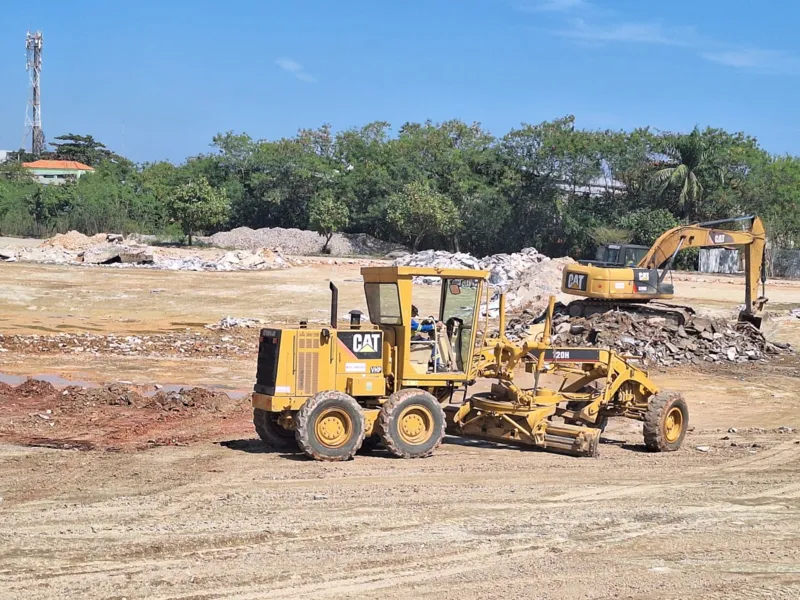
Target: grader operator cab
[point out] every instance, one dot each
(330, 390)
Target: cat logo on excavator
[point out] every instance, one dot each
(576, 281)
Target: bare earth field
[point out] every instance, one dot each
(166, 495)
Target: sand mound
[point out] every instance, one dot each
(74, 240)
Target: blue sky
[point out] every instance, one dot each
(157, 79)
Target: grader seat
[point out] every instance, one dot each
(421, 356)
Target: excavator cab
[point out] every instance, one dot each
(617, 255)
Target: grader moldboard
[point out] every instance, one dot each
(330, 391)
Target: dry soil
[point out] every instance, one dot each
(160, 499)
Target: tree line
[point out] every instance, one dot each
(448, 185)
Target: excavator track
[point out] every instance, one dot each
(674, 313)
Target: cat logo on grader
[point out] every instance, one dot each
(366, 343)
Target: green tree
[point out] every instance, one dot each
(198, 206)
(84, 149)
(603, 236)
(327, 215)
(418, 211)
(689, 158)
(646, 225)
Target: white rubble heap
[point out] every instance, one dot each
(235, 322)
(113, 250)
(528, 277)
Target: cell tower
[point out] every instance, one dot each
(33, 115)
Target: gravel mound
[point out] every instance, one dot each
(35, 387)
(299, 242)
(192, 399)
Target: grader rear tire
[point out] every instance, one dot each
(272, 433)
(330, 427)
(411, 424)
(666, 422)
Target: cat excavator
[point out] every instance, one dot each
(632, 278)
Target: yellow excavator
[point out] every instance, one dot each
(625, 277)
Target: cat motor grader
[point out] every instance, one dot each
(329, 390)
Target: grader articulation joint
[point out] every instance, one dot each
(330, 391)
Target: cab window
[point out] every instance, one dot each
(383, 303)
(633, 256)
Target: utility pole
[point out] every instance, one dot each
(33, 115)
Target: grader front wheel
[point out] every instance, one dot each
(666, 422)
(330, 426)
(272, 433)
(411, 424)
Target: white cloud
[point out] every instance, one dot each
(600, 28)
(754, 59)
(641, 33)
(296, 69)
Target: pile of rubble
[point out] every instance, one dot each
(260, 259)
(657, 340)
(226, 323)
(298, 242)
(527, 277)
(113, 249)
(504, 268)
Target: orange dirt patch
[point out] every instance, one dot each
(116, 417)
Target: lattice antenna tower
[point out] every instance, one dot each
(33, 115)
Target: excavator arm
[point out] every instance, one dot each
(705, 235)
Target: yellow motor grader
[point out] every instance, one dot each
(330, 390)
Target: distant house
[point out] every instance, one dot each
(4, 155)
(597, 186)
(56, 172)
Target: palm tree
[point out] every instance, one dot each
(691, 156)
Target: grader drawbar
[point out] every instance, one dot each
(331, 391)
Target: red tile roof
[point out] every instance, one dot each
(69, 165)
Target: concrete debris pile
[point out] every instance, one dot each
(657, 340)
(113, 249)
(297, 242)
(527, 277)
(109, 254)
(235, 322)
(532, 289)
(260, 259)
(504, 268)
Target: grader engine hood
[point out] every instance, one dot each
(298, 363)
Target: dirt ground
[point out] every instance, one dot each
(167, 494)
